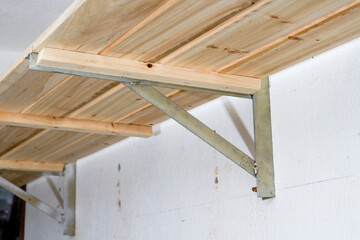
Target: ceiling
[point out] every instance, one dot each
(22, 21)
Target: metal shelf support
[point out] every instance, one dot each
(67, 217)
(261, 168)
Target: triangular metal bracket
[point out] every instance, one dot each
(67, 218)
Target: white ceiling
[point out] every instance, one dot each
(22, 21)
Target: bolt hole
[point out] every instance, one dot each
(149, 65)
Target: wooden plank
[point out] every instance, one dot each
(19, 89)
(76, 125)
(91, 144)
(338, 29)
(60, 149)
(98, 99)
(214, 30)
(46, 144)
(95, 64)
(158, 11)
(175, 27)
(287, 36)
(70, 96)
(13, 136)
(84, 26)
(14, 165)
(45, 94)
(24, 143)
(105, 110)
(268, 23)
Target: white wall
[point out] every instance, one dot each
(166, 185)
(6, 59)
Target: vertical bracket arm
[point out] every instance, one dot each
(263, 142)
(69, 199)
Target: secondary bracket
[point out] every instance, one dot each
(67, 218)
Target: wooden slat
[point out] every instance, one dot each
(270, 22)
(175, 27)
(24, 143)
(75, 125)
(222, 25)
(97, 100)
(21, 88)
(163, 7)
(63, 148)
(14, 165)
(43, 95)
(151, 115)
(84, 26)
(334, 31)
(95, 64)
(43, 145)
(86, 147)
(70, 96)
(126, 103)
(13, 136)
(286, 37)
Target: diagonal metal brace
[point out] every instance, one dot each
(193, 124)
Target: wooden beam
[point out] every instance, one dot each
(85, 64)
(76, 125)
(14, 165)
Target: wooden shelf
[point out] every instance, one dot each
(237, 38)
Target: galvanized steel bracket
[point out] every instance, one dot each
(263, 142)
(67, 218)
(262, 168)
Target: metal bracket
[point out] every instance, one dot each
(262, 168)
(68, 217)
(193, 125)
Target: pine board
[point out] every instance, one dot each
(238, 37)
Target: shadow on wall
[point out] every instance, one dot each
(243, 132)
